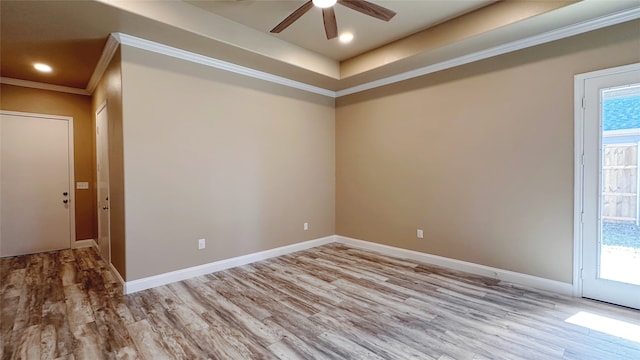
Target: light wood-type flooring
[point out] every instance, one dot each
(330, 302)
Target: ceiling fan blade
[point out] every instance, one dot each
(368, 8)
(293, 17)
(330, 24)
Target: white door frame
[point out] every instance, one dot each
(578, 171)
(72, 181)
(102, 106)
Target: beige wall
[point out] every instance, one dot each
(109, 89)
(209, 154)
(17, 98)
(479, 156)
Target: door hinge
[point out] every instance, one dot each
(582, 217)
(584, 103)
(582, 273)
(582, 159)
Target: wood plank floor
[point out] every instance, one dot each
(330, 302)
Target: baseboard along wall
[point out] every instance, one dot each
(84, 243)
(472, 268)
(92, 243)
(183, 274)
(468, 267)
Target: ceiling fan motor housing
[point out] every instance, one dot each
(329, 15)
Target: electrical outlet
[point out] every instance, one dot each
(420, 234)
(305, 226)
(201, 244)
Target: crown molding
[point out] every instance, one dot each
(43, 86)
(576, 29)
(120, 38)
(217, 64)
(561, 33)
(107, 54)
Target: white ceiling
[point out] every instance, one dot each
(369, 33)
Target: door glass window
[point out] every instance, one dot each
(619, 245)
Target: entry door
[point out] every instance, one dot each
(102, 153)
(36, 204)
(611, 230)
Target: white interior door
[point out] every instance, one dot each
(102, 153)
(36, 204)
(610, 253)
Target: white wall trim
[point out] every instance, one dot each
(38, 115)
(43, 86)
(578, 176)
(72, 178)
(78, 244)
(553, 35)
(116, 38)
(183, 274)
(472, 268)
(217, 64)
(107, 54)
(606, 72)
(116, 273)
(567, 31)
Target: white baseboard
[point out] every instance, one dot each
(84, 243)
(183, 274)
(91, 242)
(472, 268)
(116, 273)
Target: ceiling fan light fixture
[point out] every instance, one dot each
(346, 37)
(329, 15)
(324, 3)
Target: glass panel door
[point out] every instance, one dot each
(611, 216)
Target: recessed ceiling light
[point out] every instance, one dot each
(324, 3)
(42, 67)
(346, 37)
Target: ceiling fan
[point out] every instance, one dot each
(329, 15)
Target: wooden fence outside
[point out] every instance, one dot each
(620, 182)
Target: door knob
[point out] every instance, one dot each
(65, 201)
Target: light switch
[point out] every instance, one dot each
(82, 185)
